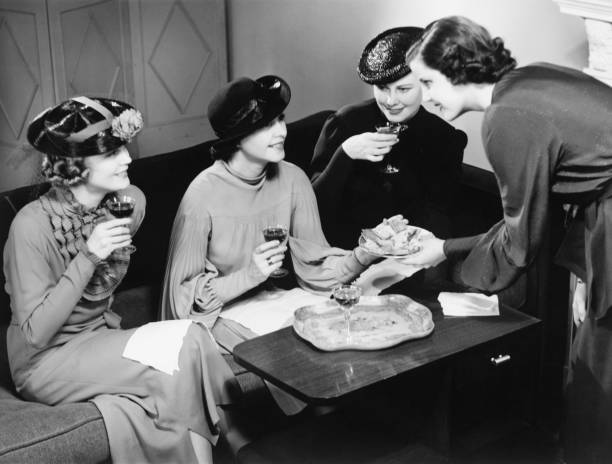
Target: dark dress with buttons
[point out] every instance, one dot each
(548, 133)
(354, 194)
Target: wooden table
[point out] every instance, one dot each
(485, 368)
(318, 377)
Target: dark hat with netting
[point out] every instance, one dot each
(384, 58)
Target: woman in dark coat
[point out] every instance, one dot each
(352, 191)
(546, 133)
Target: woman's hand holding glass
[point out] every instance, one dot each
(369, 146)
(268, 257)
(108, 236)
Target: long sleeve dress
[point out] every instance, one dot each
(218, 225)
(354, 194)
(65, 343)
(548, 133)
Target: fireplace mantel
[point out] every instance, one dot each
(597, 15)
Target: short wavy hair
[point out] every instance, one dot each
(63, 171)
(463, 51)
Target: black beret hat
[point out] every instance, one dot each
(383, 60)
(245, 105)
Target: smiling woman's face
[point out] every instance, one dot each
(447, 98)
(267, 145)
(399, 100)
(108, 172)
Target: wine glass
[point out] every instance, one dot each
(347, 296)
(122, 206)
(390, 128)
(276, 232)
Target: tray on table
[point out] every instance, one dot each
(376, 322)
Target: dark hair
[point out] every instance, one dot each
(463, 51)
(223, 152)
(67, 172)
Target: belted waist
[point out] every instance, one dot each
(605, 192)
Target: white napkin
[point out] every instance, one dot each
(157, 344)
(384, 274)
(468, 304)
(270, 310)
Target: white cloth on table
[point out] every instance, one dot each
(270, 310)
(468, 304)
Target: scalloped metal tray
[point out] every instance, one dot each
(377, 322)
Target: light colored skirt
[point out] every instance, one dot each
(228, 334)
(150, 416)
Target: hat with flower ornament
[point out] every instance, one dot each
(84, 126)
(384, 58)
(245, 105)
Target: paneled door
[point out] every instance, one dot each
(167, 57)
(26, 86)
(90, 49)
(91, 55)
(179, 51)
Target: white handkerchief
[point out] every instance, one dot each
(468, 304)
(384, 274)
(157, 344)
(270, 310)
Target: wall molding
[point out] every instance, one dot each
(597, 16)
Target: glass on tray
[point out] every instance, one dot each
(347, 296)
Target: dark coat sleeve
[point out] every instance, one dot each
(520, 147)
(442, 191)
(330, 169)
(444, 147)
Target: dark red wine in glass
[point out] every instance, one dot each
(279, 233)
(121, 209)
(122, 206)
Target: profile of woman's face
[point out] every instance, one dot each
(437, 89)
(266, 145)
(108, 172)
(399, 100)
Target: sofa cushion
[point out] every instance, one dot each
(137, 305)
(302, 136)
(33, 432)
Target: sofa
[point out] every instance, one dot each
(75, 433)
(32, 432)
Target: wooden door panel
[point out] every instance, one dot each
(180, 60)
(90, 53)
(26, 86)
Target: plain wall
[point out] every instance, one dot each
(316, 44)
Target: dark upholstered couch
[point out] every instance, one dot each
(33, 433)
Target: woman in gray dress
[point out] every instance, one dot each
(64, 257)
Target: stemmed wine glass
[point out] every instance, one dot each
(390, 128)
(347, 296)
(122, 206)
(276, 232)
